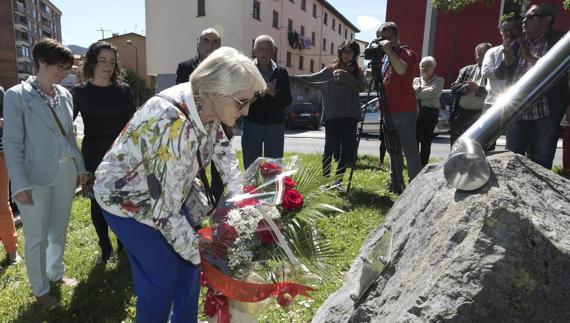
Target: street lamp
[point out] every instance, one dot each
(130, 43)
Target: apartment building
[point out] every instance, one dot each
(306, 32)
(22, 23)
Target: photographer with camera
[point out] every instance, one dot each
(398, 67)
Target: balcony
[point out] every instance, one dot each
(19, 7)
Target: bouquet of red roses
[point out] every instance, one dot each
(247, 250)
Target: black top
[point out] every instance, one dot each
(105, 112)
(186, 68)
(271, 110)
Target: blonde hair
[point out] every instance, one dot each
(226, 71)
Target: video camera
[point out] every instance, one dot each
(374, 52)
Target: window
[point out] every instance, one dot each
(275, 51)
(301, 61)
(292, 1)
(256, 9)
(201, 8)
(290, 25)
(324, 44)
(312, 66)
(334, 24)
(275, 19)
(351, 36)
(288, 63)
(345, 33)
(304, 5)
(252, 46)
(322, 65)
(332, 48)
(302, 31)
(339, 28)
(313, 38)
(314, 10)
(326, 18)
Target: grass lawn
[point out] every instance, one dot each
(104, 293)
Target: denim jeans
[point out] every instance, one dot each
(261, 140)
(405, 124)
(536, 139)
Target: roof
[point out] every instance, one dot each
(338, 14)
(128, 35)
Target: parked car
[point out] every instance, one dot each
(372, 117)
(303, 114)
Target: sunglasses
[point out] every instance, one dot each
(243, 103)
(534, 15)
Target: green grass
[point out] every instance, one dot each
(104, 294)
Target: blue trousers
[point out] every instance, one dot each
(261, 140)
(163, 281)
(536, 138)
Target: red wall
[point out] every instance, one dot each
(456, 33)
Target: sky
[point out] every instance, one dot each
(82, 21)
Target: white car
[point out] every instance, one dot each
(372, 116)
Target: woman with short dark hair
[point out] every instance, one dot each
(106, 105)
(44, 164)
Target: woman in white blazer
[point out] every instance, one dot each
(44, 164)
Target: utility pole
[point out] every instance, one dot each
(102, 32)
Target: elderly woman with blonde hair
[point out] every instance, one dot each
(146, 181)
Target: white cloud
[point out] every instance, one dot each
(367, 23)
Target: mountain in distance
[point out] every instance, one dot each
(77, 50)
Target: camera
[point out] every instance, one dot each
(374, 52)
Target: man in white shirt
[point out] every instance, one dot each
(511, 30)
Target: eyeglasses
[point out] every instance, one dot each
(63, 67)
(243, 103)
(534, 15)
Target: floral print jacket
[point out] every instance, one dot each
(150, 172)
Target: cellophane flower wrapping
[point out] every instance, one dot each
(246, 236)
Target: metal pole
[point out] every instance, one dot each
(467, 167)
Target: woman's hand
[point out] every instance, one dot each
(338, 73)
(81, 179)
(24, 197)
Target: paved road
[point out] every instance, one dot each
(312, 141)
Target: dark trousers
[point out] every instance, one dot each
(427, 120)
(102, 230)
(163, 282)
(340, 142)
(217, 183)
(461, 120)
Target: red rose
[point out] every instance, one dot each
(250, 189)
(224, 237)
(268, 169)
(292, 200)
(289, 183)
(264, 232)
(246, 201)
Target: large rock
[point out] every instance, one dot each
(498, 254)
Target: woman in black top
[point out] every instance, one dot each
(106, 105)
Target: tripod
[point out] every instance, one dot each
(391, 138)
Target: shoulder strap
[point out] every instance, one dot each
(202, 170)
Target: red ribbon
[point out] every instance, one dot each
(241, 291)
(217, 304)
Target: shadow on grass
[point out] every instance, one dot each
(365, 198)
(103, 296)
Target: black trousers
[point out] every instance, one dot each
(461, 120)
(340, 142)
(427, 120)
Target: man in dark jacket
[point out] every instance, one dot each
(264, 126)
(536, 133)
(208, 42)
(469, 90)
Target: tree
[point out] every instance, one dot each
(454, 5)
(138, 87)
